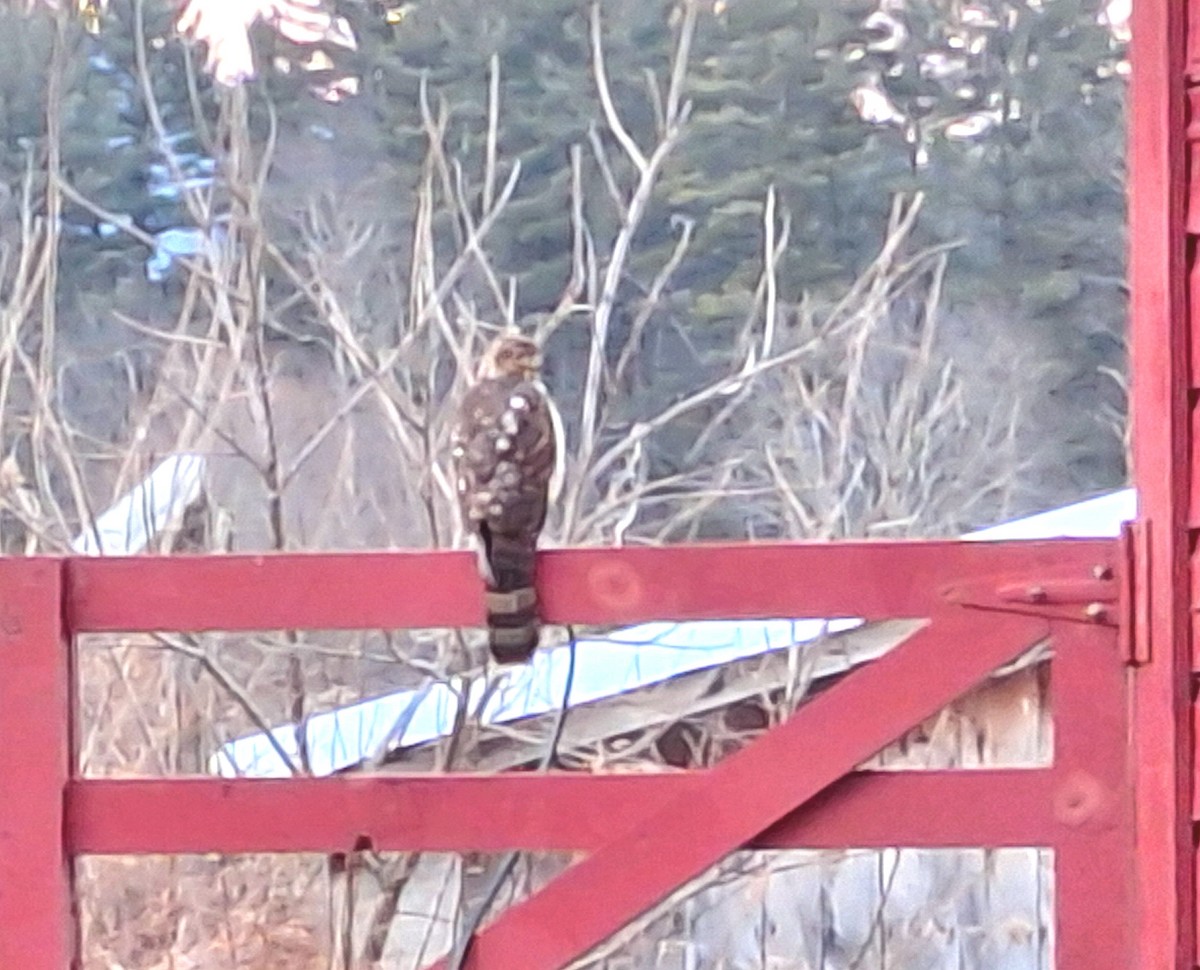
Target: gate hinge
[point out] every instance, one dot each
(1083, 597)
(1114, 592)
(1133, 607)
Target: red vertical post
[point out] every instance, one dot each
(1092, 801)
(1162, 441)
(37, 928)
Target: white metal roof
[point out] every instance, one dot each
(127, 527)
(1095, 518)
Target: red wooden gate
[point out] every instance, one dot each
(1116, 805)
(645, 835)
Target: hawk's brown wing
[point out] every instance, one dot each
(505, 451)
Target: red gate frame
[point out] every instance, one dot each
(988, 602)
(1114, 909)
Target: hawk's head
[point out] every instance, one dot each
(511, 355)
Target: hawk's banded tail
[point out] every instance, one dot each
(512, 606)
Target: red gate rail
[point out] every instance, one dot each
(358, 591)
(793, 787)
(551, 812)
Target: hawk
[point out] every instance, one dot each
(506, 454)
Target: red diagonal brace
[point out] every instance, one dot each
(750, 790)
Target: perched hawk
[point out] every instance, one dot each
(507, 464)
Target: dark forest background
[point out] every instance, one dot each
(978, 374)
